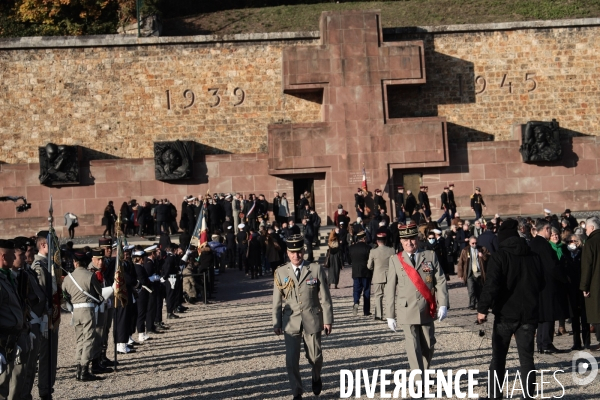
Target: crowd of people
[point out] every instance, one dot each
(243, 235)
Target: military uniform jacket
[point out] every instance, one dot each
(302, 310)
(11, 314)
(477, 201)
(445, 202)
(88, 282)
(44, 278)
(379, 262)
(409, 307)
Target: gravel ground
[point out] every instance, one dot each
(227, 350)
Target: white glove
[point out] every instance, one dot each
(442, 313)
(2, 364)
(162, 280)
(44, 327)
(31, 338)
(18, 352)
(392, 324)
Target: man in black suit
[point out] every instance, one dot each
(361, 274)
(488, 239)
(309, 235)
(163, 213)
(553, 301)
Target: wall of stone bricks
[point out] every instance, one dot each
(109, 95)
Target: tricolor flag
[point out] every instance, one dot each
(200, 230)
(364, 181)
(119, 287)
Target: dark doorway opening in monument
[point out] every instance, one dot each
(302, 185)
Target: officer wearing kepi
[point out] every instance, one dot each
(84, 293)
(379, 261)
(477, 202)
(415, 294)
(299, 314)
(11, 321)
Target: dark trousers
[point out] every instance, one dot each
(474, 286)
(170, 297)
(447, 217)
(71, 232)
(503, 331)
(160, 297)
(545, 335)
(363, 286)
(110, 230)
(142, 306)
(478, 211)
(309, 249)
(581, 330)
(121, 328)
(151, 309)
(162, 226)
(230, 254)
(241, 253)
(400, 215)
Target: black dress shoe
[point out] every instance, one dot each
(163, 325)
(577, 348)
(156, 331)
(317, 386)
(172, 316)
(472, 308)
(299, 397)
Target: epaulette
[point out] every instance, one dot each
(472, 196)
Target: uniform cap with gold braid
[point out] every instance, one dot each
(295, 243)
(408, 231)
(105, 242)
(97, 253)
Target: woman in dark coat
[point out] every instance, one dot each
(334, 260)
(108, 220)
(581, 327)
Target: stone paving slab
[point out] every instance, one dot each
(227, 350)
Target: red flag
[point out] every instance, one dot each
(364, 180)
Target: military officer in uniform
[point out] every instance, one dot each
(11, 323)
(299, 314)
(451, 200)
(379, 261)
(477, 203)
(97, 268)
(415, 294)
(84, 292)
(447, 215)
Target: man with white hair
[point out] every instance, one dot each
(590, 274)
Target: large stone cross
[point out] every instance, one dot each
(352, 67)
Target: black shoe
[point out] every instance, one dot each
(472, 308)
(577, 348)
(172, 316)
(299, 397)
(317, 386)
(183, 308)
(99, 368)
(86, 376)
(155, 331)
(163, 325)
(552, 350)
(78, 376)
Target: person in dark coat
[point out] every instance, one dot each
(553, 301)
(437, 244)
(254, 255)
(572, 220)
(162, 218)
(581, 327)
(231, 248)
(410, 205)
(361, 274)
(214, 216)
(462, 236)
(183, 221)
(488, 239)
(512, 291)
(590, 273)
(309, 235)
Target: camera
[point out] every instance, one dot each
(23, 207)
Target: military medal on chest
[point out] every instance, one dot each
(428, 269)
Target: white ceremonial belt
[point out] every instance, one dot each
(84, 305)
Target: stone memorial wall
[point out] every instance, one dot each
(256, 132)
